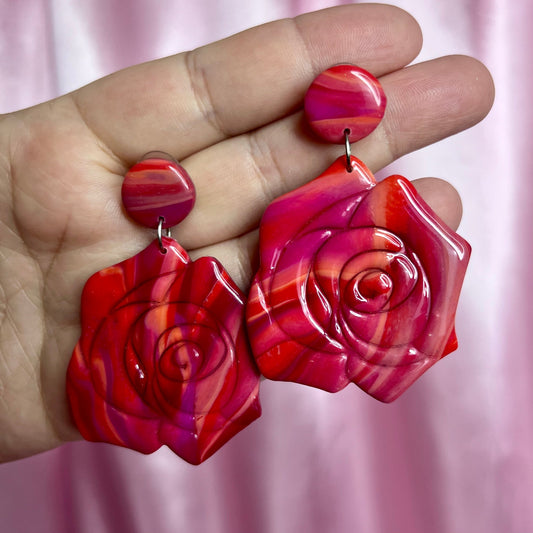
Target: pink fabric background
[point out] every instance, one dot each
(455, 453)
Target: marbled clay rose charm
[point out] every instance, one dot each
(162, 357)
(358, 282)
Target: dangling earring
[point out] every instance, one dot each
(162, 357)
(358, 281)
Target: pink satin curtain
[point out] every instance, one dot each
(455, 453)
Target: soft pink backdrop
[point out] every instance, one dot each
(455, 453)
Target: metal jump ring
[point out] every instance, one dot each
(348, 150)
(160, 234)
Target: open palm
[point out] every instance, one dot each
(229, 112)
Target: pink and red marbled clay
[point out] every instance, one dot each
(344, 97)
(163, 357)
(358, 282)
(157, 187)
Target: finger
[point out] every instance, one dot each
(428, 102)
(426, 106)
(443, 198)
(184, 103)
(240, 255)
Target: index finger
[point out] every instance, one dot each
(183, 103)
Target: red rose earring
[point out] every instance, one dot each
(162, 357)
(358, 281)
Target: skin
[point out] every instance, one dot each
(231, 113)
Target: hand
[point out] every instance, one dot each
(230, 112)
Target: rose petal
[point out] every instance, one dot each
(443, 254)
(98, 421)
(381, 288)
(212, 432)
(287, 302)
(162, 357)
(311, 201)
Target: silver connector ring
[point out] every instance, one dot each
(348, 150)
(160, 234)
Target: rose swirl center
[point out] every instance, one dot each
(368, 291)
(181, 361)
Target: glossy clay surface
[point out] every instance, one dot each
(162, 357)
(358, 282)
(343, 97)
(157, 187)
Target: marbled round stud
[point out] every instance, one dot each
(157, 186)
(344, 97)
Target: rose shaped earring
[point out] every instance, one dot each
(358, 281)
(162, 357)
